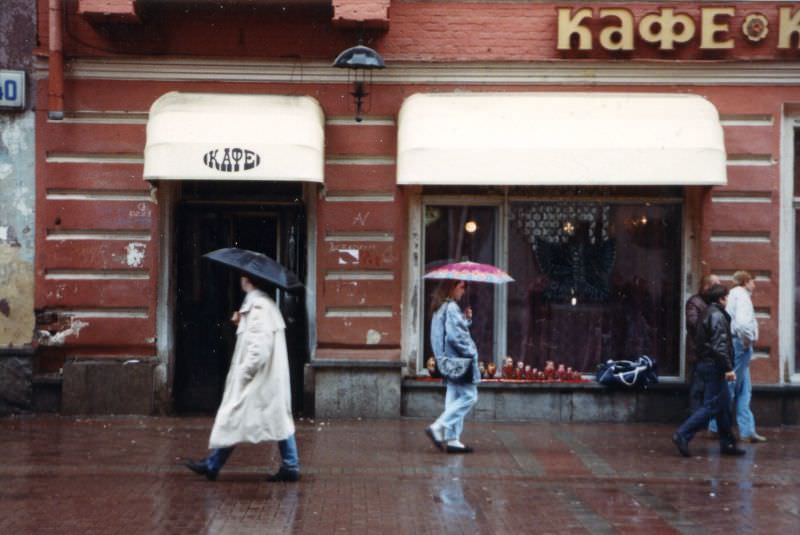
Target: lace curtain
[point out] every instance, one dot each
(572, 246)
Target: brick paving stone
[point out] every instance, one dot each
(124, 475)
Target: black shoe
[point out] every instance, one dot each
(732, 450)
(681, 444)
(458, 449)
(284, 474)
(201, 468)
(438, 443)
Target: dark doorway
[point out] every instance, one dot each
(256, 217)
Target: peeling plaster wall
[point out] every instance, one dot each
(17, 202)
(17, 182)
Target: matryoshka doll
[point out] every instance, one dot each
(561, 373)
(508, 368)
(549, 370)
(430, 365)
(519, 372)
(482, 369)
(491, 369)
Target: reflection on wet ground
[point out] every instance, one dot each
(123, 475)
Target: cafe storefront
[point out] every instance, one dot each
(605, 156)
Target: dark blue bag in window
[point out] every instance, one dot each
(641, 372)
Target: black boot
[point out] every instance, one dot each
(284, 474)
(731, 449)
(201, 468)
(682, 444)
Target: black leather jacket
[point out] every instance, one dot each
(714, 340)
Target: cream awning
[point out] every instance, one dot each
(559, 139)
(198, 136)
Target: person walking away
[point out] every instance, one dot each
(256, 404)
(745, 334)
(696, 306)
(714, 367)
(450, 336)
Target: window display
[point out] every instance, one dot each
(596, 278)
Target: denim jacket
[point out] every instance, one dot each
(450, 330)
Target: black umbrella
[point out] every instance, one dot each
(258, 265)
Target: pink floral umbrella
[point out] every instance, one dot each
(470, 271)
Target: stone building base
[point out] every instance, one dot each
(356, 389)
(589, 402)
(108, 387)
(16, 371)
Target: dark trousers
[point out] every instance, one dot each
(716, 404)
(696, 390)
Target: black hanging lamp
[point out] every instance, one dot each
(359, 61)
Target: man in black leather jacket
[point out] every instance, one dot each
(714, 343)
(696, 307)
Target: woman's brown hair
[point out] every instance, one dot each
(740, 278)
(442, 293)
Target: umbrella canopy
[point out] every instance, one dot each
(470, 271)
(258, 265)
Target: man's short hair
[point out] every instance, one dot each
(715, 294)
(707, 282)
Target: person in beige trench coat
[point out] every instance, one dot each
(256, 405)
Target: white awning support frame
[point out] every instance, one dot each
(204, 136)
(556, 139)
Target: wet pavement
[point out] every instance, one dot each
(123, 475)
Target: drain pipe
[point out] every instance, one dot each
(55, 64)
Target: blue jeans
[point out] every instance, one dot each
(457, 403)
(741, 390)
(288, 449)
(716, 403)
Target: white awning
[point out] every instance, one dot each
(559, 139)
(198, 136)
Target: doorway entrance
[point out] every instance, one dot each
(262, 217)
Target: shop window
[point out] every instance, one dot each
(594, 279)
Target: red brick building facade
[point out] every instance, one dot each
(110, 268)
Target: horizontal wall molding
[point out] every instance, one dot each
(552, 72)
(365, 121)
(359, 160)
(359, 276)
(750, 159)
(761, 354)
(758, 276)
(55, 157)
(92, 234)
(359, 196)
(129, 313)
(359, 236)
(97, 195)
(103, 117)
(740, 237)
(763, 313)
(360, 312)
(746, 119)
(743, 197)
(99, 274)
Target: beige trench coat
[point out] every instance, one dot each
(257, 403)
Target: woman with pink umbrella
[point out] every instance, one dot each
(455, 350)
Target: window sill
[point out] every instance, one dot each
(423, 383)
